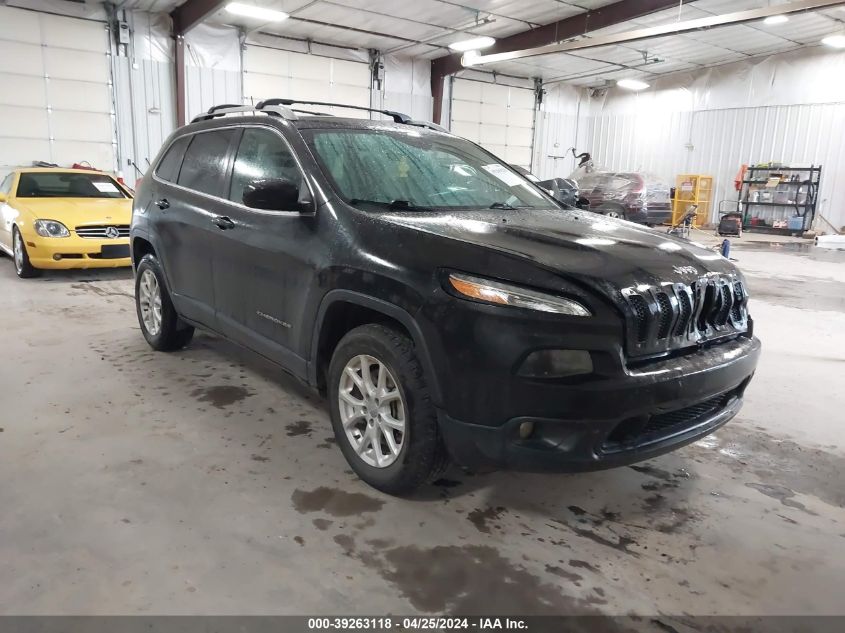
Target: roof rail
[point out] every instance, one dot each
(224, 109)
(429, 125)
(281, 107)
(397, 117)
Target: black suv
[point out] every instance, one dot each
(447, 307)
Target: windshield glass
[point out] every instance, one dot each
(412, 169)
(67, 185)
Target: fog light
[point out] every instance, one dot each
(57, 257)
(557, 363)
(525, 430)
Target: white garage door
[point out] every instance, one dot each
(499, 118)
(56, 101)
(269, 72)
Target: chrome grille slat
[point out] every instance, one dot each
(682, 315)
(99, 231)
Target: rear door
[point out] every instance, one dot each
(264, 260)
(184, 211)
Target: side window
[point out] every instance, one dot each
(262, 155)
(205, 162)
(168, 167)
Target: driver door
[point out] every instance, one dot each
(264, 260)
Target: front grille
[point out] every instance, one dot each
(100, 232)
(646, 429)
(674, 316)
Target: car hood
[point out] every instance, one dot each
(577, 244)
(73, 212)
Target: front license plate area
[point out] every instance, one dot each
(114, 251)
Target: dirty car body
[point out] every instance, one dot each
(658, 353)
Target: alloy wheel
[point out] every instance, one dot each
(613, 214)
(372, 411)
(18, 249)
(149, 300)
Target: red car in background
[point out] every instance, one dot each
(637, 197)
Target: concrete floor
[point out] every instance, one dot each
(206, 482)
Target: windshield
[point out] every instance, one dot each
(67, 185)
(409, 169)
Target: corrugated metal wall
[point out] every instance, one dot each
(206, 87)
(717, 142)
(145, 110)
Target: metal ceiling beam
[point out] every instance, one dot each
(186, 16)
(675, 28)
(550, 34)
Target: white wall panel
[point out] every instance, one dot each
(62, 63)
(81, 126)
(17, 122)
(499, 117)
(269, 72)
(60, 32)
(20, 26)
(57, 105)
(29, 91)
(20, 58)
(77, 95)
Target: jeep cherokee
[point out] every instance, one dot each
(447, 307)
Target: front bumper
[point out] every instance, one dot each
(615, 420)
(54, 253)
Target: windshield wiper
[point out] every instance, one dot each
(393, 204)
(508, 207)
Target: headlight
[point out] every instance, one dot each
(504, 294)
(50, 228)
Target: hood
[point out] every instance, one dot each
(73, 212)
(577, 244)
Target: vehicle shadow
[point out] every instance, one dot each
(652, 495)
(208, 343)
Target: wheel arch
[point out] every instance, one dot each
(342, 310)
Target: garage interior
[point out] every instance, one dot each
(208, 482)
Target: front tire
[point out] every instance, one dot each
(381, 410)
(160, 324)
(23, 267)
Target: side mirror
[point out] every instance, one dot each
(2, 198)
(277, 194)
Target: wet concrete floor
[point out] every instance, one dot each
(205, 481)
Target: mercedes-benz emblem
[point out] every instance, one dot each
(112, 232)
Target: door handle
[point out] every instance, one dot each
(223, 223)
(162, 204)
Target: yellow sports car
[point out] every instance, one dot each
(64, 218)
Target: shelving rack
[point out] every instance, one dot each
(778, 193)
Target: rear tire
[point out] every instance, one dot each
(23, 267)
(400, 398)
(160, 324)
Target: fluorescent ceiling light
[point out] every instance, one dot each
(259, 13)
(469, 58)
(473, 45)
(776, 19)
(632, 84)
(836, 41)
